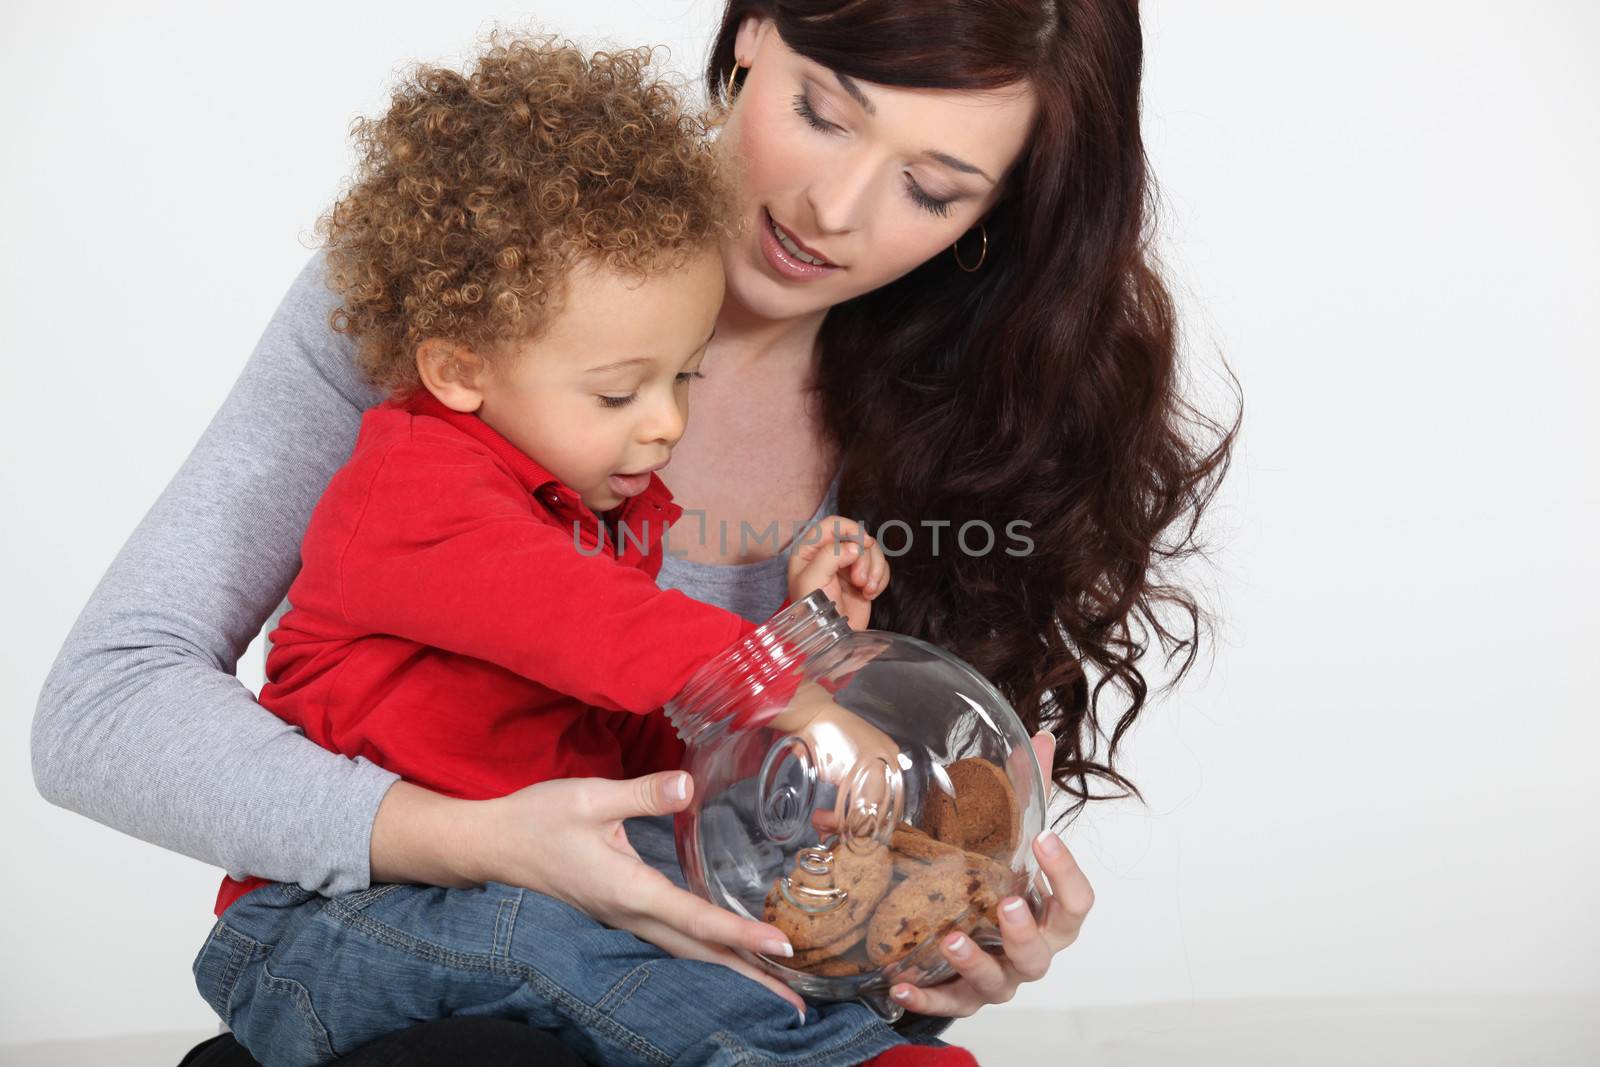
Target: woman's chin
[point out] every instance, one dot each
(754, 294)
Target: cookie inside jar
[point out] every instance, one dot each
(852, 908)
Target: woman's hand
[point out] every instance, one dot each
(1029, 946)
(564, 838)
(844, 562)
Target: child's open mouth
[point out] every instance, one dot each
(630, 484)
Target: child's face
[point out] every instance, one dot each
(603, 393)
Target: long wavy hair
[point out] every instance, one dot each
(1045, 387)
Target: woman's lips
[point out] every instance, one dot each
(779, 259)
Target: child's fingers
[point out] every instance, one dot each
(803, 555)
(821, 569)
(880, 575)
(824, 536)
(835, 528)
(871, 571)
(871, 556)
(861, 573)
(854, 554)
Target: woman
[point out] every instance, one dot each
(939, 312)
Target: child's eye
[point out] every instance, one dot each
(618, 401)
(685, 376)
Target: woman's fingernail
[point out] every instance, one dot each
(680, 787)
(1051, 844)
(777, 948)
(902, 992)
(802, 1013)
(1013, 910)
(958, 945)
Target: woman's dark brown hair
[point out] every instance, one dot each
(1043, 388)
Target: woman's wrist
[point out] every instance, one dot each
(425, 837)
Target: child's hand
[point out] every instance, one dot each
(839, 739)
(844, 562)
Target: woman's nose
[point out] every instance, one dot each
(839, 195)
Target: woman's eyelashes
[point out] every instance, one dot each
(923, 199)
(682, 378)
(929, 203)
(802, 105)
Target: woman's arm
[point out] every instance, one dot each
(141, 724)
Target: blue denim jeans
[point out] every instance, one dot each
(301, 979)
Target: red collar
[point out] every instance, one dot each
(559, 498)
(532, 476)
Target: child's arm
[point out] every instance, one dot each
(649, 743)
(849, 565)
(448, 552)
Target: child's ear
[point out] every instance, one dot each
(453, 373)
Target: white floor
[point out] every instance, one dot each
(1326, 1032)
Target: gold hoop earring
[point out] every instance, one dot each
(983, 255)
(731, 90)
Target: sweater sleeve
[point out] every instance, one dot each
(449, 552)
(141, 724)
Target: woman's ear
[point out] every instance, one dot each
(747, 41)
(453, 373)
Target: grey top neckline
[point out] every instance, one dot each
(753, 590)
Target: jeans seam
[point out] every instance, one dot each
(505, 924)
(356, 902)
(625, 987)
(242, 950)
(302, 1002)
(404, 942)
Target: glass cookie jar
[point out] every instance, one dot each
(865, 792)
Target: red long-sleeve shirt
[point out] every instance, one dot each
(461, 617)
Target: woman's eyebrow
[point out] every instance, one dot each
(958, 164)
(848, 84)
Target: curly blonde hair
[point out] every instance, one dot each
(476, 193)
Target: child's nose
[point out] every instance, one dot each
(666, 423)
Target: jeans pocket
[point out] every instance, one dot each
(223, 959)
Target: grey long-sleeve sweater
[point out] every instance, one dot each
(142, 724)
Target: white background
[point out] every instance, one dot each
(1380, 782)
